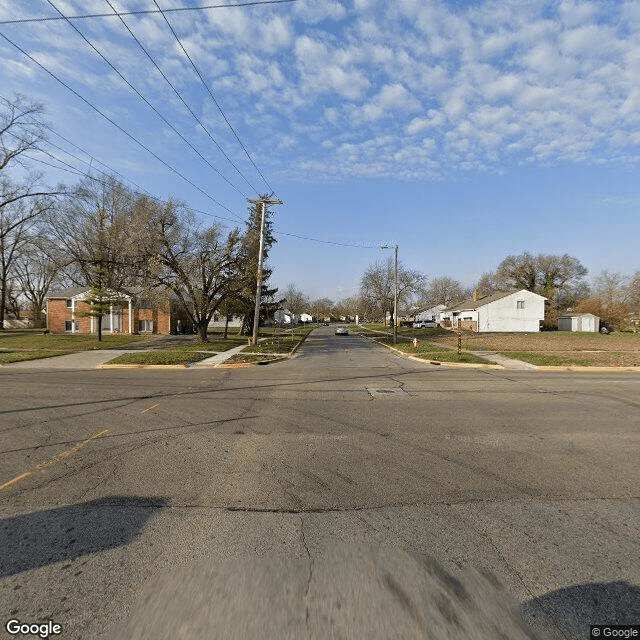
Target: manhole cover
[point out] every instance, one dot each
(386, 393)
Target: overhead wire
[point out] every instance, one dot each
(144, 99)
(115, 124)
(206, 86)
(75, 171)
(180, 97)
(150, 11)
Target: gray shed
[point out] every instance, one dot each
(579, 322)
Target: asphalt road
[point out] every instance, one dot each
(345, 493)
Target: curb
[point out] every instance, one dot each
(143, 366)
(459, 365)
(578, 369)
(468, 365)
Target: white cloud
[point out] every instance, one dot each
(314, 11)
(391, 98)
(411, 88)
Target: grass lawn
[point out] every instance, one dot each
(545, 359)
(249, 358)
(171, 356)
(20, 356)
(284, 343)
(556, 348)
(32, 346)
(216, 344)
(431, 352)
(66, 342)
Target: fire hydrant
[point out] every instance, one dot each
(415, 342)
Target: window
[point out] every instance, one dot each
(69, 303)
(520, 304)
(68, 325)
(146, 326)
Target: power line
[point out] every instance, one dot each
(148, 11)
(155, 64)
(115, 124)
(206, 86)
(340, 244)
(151, 106)
(75, 171)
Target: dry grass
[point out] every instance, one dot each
(614, 350)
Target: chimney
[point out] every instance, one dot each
(476, 295)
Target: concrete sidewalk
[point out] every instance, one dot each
(81, 360)
(219, 358)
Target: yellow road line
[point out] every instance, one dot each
(149, 408)
(52, 461)
(15, 480)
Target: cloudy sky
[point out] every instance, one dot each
(462, 130)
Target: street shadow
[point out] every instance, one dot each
(574, 608)
(42, 538)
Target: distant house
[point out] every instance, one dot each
(579, 322)
(432, 314)
(284, 316)
(126, 314)
(504, 311)
(220, 322)
(305, 317)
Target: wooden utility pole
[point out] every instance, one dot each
(395, 291)
(262, 202)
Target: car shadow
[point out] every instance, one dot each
(573, 609)
(42, 538)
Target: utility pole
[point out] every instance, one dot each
(395, 297)
(395, 291)
(262, 202)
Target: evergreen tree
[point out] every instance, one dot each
(244, 301)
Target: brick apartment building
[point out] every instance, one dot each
(126, 314)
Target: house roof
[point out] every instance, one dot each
(578, 315)
(69, 292)
(470, 304)
(78, 292)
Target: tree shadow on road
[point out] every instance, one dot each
(42, 538)
(573, 609)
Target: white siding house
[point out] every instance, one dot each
(219, 322)
(433, 314)
(579, 322)
(284, 316)
(509, 312)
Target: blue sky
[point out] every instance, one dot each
(463, 131)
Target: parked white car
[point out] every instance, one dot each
(425, 324)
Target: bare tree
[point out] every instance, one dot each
(22, 200)
(321, 307)
(16, 220)
(486, 284)
(545, 274)
(294, 299)
(37, 270)
(103, 225)
(444, 290)
(518, 272)
(377, 285)
(199, 265)
(611, 287)
(633, 292)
